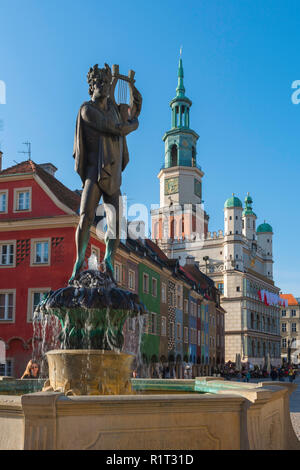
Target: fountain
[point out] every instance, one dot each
(92, 312)
(89, 400)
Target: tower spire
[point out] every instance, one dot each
(180, 90)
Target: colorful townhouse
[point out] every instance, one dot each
(38, 219)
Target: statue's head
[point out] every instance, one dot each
(99, 81)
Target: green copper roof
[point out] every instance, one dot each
(263, 228)
(233, 202)
(180, 90)
(248, 205)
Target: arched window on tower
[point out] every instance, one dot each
(176, 116)
(173, 229)
(174, 161)
(183, 116)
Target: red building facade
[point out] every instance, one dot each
(38, 219)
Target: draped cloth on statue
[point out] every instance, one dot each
(110, 152)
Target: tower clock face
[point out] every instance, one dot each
(171, 186)
(197, 187)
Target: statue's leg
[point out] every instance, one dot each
(113, 210)
(89, 200)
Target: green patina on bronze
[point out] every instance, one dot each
(92, 312)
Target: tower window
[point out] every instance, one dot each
(193, 156)
(174, 155)
(230, 218)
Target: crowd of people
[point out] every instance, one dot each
(229, 372)
(282, 373)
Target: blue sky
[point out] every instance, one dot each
(240, 58)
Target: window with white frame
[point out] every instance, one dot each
(3, 201)
(7, 368)
(294, 327)
(178, 331)
(283, 343)
(283, 313)
(172, 329)
(118, 272)
(7, 305)
(163, 293)
(7, 253)
(186, 334)
(35, 296)
(153, 323)
(154, 287)
(194, 336)
(283, 327)
(179, 296)
(40, 253)
(22, 200)
(145, 283)
(163, 326)
(186, 306)
(131, 279)
(193, 309)
(293, 313)
(199, 338)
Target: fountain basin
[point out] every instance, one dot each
(89, 372)
(239, 417)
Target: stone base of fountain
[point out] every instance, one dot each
(227, 416)
(89, 372)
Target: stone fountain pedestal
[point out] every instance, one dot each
(228, 416)
(89, 372)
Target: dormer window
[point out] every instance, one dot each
(22, 199)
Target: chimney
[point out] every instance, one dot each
(1, 153)
(49, 167)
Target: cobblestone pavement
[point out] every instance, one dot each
(295, 408)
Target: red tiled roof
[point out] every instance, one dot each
(290, 298)
(63, 194)
(188, 275)
(156, 249)
(199, 275)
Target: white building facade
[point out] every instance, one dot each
(238, 258)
